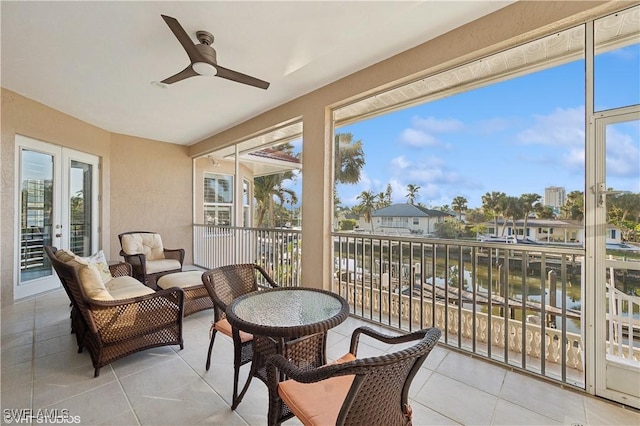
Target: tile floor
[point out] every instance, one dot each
(168, 386)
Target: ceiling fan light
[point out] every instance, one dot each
(204, 68)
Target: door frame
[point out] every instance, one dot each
(62, 162)
(598, 221)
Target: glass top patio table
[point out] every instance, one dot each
(287, 311)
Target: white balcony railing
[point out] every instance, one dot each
(516, 304)
(623, 315)
(277, 250)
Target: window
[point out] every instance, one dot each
(218, 199)
(416, 221)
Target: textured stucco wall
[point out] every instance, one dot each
(151, 190)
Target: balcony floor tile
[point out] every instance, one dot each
(41, 369)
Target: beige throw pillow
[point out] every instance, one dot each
(100, 262)
(92, 284)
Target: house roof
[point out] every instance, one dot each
(274, 154)
(407, 210)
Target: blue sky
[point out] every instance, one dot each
(518, 136)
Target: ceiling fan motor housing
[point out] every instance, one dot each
(208, 52)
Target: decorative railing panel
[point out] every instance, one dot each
(421, 314)
(623, 313)
(277, 250)
(518, 304)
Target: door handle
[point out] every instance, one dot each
(601, 193)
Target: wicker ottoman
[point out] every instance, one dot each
(196, 297)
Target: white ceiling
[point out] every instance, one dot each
(96, 60)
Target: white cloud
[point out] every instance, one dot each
(423, 130)
(564, 126)
(417, 138)
(622, 154)
(399, 163)
(574, 159)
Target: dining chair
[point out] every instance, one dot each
(224, 284)
(350, 391)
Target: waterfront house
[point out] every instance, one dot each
(405, 219)
(564, 231)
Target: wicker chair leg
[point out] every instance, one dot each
(96, 372)
(213, 337)
(237, 399)
(79, 349)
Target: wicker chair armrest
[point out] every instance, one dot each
(118, 319)
(120, 269)
(177, 254)
(136, 259)
(138, 263)
(385, 338)
(266, 276)
(278, 365)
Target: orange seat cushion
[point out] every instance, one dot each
(224, 327)
(317, 403)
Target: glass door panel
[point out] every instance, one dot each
(36, 213)
(80, 208)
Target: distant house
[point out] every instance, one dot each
(403, 218)
(550, 230)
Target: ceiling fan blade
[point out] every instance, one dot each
(183, 38)
(240, 78)
(185, 73)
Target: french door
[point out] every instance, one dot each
(617, 261)
(57, 195)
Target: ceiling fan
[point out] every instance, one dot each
(203, 58)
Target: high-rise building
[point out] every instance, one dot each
(555, 196)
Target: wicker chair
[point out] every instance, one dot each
(350, 391)
(113, 329)
(224, 284)
(148, 257)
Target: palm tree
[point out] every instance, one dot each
(459, 205)
(491, 206)
(349, 159)
(367, 205)
(266, 189)
(387, 195)
(412, 193)
(511, 208)
(529, 203)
